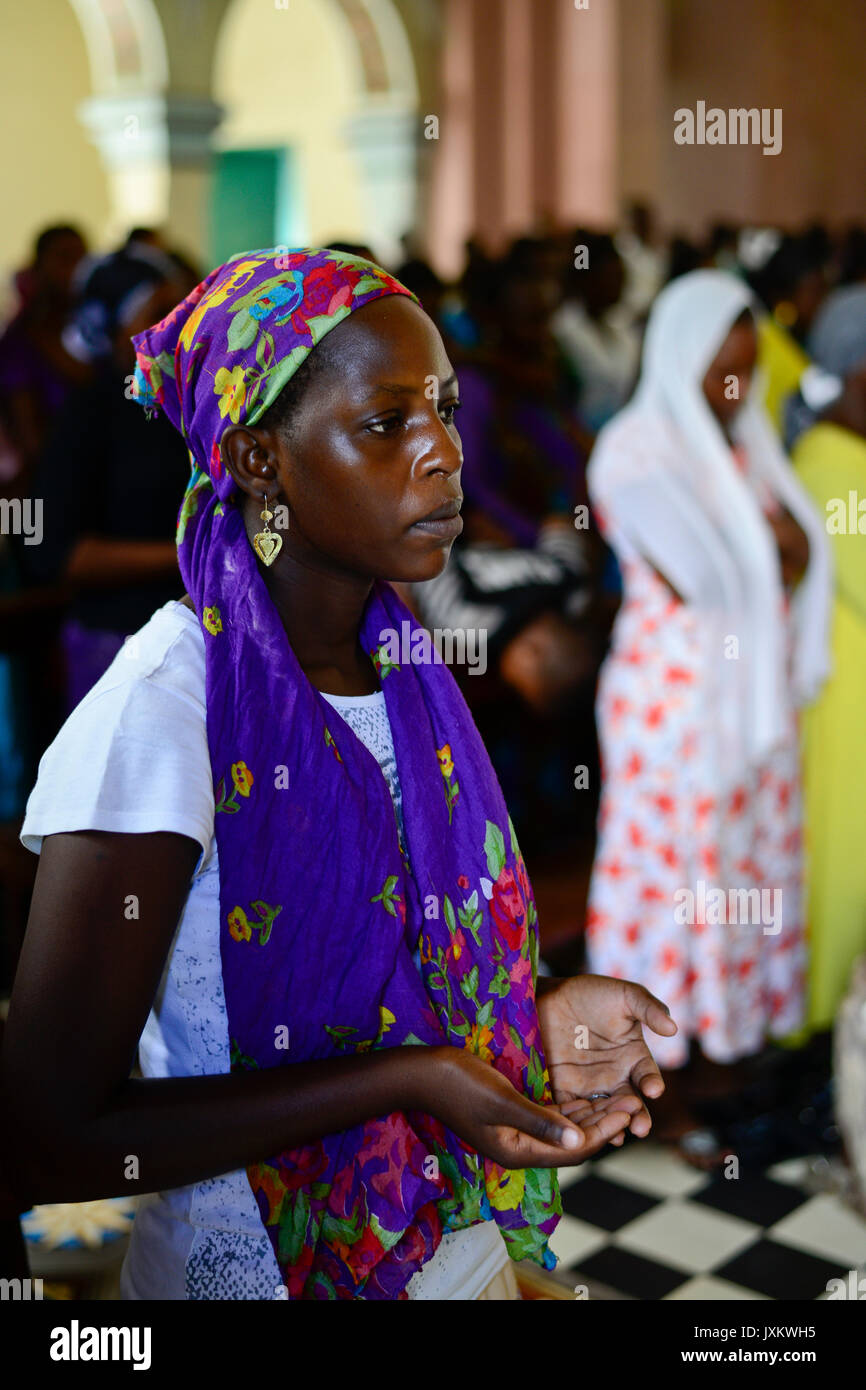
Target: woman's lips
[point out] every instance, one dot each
(445, 521)
(447, 526)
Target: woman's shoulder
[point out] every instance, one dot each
(154, 688)
(828, 448)
(640, 427)
(133, 755)
(633, 447)
(164, 659)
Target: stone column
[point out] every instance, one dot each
(190, 125)
(128, 129)
(384, 140)
(157, 153)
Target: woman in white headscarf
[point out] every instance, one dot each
(721, 635)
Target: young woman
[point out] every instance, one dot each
(347, 1078)
(830, 461)
(721, 635)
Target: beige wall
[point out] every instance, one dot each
(528, 121)
(543, 110)
(51, 172)
(644, 126)
(809, 59)
(304, 104)
(553, 112)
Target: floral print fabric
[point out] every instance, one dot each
(664, 826)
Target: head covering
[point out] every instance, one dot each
(112, 290)
(319, 909)
(837, 339)
(664, 479)
(837, 345)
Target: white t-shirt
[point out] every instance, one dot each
(133, 758)
(604, 354)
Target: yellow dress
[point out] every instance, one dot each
(782, 361)
(831, 463)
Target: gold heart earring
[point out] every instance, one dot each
(267, 544)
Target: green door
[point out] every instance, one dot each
(253, 202)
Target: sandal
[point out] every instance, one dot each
(702, 1148)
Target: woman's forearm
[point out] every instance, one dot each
(163, 1133)
(98, 561)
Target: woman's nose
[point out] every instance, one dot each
(440, 450)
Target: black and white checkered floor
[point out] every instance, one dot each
(640, 1223)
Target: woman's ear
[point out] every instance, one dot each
(250, 458)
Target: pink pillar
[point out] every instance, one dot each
(585, 78)
(529, 122)
(489, 150)
(543, 78)
(451, 202)
(516, 116)
(644, 124)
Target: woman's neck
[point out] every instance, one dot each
(321, 610)
(324, 638)
(322, 614)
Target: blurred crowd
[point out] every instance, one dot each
(586, 591)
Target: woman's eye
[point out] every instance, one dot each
(386, 426)
(394, 422)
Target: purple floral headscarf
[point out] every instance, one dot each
(320, 912)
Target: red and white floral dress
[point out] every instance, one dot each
(664, 827)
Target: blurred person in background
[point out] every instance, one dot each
(523, 572)
(792, 285)
(721, 634)
(111, 482)
(722, 246)
(830, 460)
(445, 304)
(149, 237)
(36, 375)
(528, 441)
(477, 289)
(351, 248)
(852, 257)
(595, 329)
(37, 372)
(419, 276)
(684, 256)
(639, 247)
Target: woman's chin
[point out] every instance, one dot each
(417, 569)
